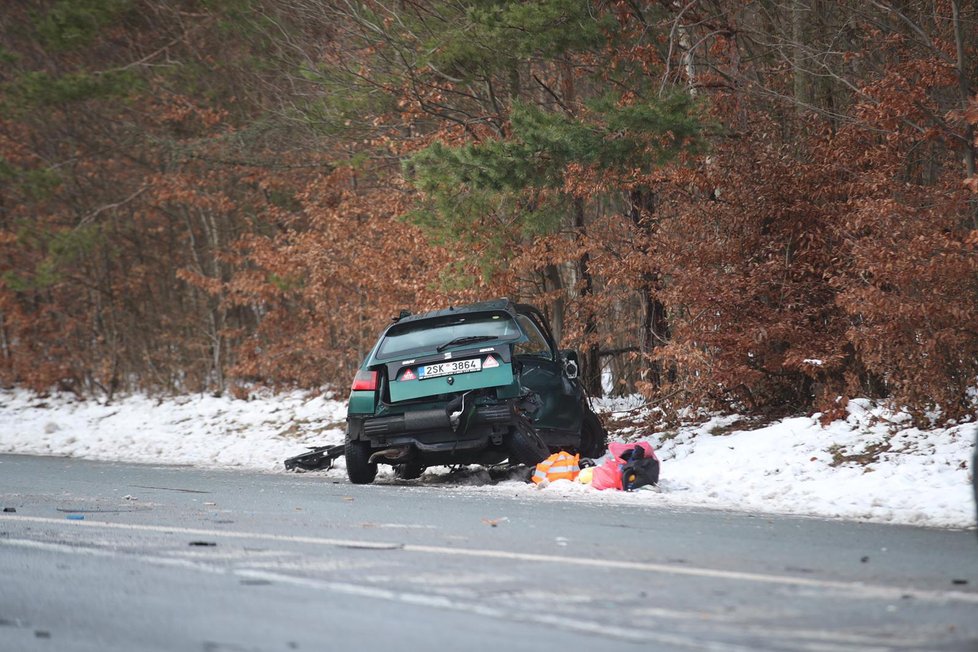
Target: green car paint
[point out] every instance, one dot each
(406, 390)
(362, 402)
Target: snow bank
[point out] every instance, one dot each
(871, 466)
(195, 430)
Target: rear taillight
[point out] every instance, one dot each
(365, 381)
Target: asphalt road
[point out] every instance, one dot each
(223, 561)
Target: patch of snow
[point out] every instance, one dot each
(607, 380)
(872, 465)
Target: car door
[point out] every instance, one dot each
(543, 374)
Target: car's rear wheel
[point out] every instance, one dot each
(526, 446)
(359, 468)
(409, 470)
(594, 438)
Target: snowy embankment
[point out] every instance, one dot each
(871, 466)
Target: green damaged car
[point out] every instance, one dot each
(474, 384)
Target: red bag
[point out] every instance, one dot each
(619, 450)
(608, 475)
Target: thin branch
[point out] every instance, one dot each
(91, 216)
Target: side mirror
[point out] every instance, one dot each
(571, 366)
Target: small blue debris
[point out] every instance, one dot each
(75, 517)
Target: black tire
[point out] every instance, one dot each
(409, 471)
(526, 446)
(359, 468)
(594, 438)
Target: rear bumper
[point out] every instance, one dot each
(428, 421)
(431, 434)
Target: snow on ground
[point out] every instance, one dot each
(872, 466)
(198, 430)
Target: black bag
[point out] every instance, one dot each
(638, 470)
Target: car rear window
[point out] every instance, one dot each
(535, 344)
(427, 335)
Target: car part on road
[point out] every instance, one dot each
(473, 384)
(321, 457)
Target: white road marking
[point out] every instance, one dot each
(853, 589)
(397, 526)
(601, 629)
(770, 632)
(100, 552)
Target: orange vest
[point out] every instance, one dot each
(559, 466)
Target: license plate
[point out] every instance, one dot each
(449, 368)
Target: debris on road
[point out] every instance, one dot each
(318, 458)
(99, 510)
(177, 489)
(367, 545)
(494, 522)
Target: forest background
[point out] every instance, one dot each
(768, 206)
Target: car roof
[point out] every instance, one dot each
(498, 305)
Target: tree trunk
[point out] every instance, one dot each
(655, 325)
(688, 62)
(591, 360)
(798, 63)
(964, 88)
(4, 342)
(553, 283)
